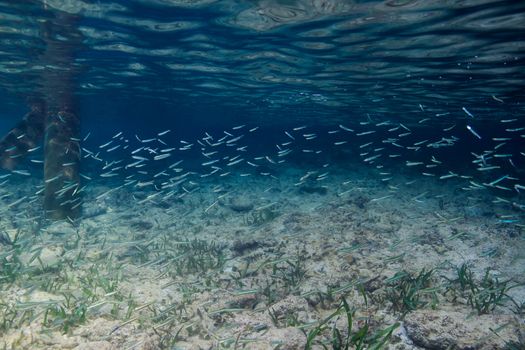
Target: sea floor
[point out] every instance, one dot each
(264, 263)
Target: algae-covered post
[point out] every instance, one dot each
(24, 137)
(62, 143)
(53, 116)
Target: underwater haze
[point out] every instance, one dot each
(262, 174)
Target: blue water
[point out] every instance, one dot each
(195, 65)
(239, 60)
(410, 110)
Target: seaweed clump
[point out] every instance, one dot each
(260, 217)
(239, 247)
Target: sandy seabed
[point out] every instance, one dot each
(260, 262)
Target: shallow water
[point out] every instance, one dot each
(255, 174)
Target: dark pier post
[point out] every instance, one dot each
(62, 199)
(61, 166)
(53, 116)
(27, 134)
